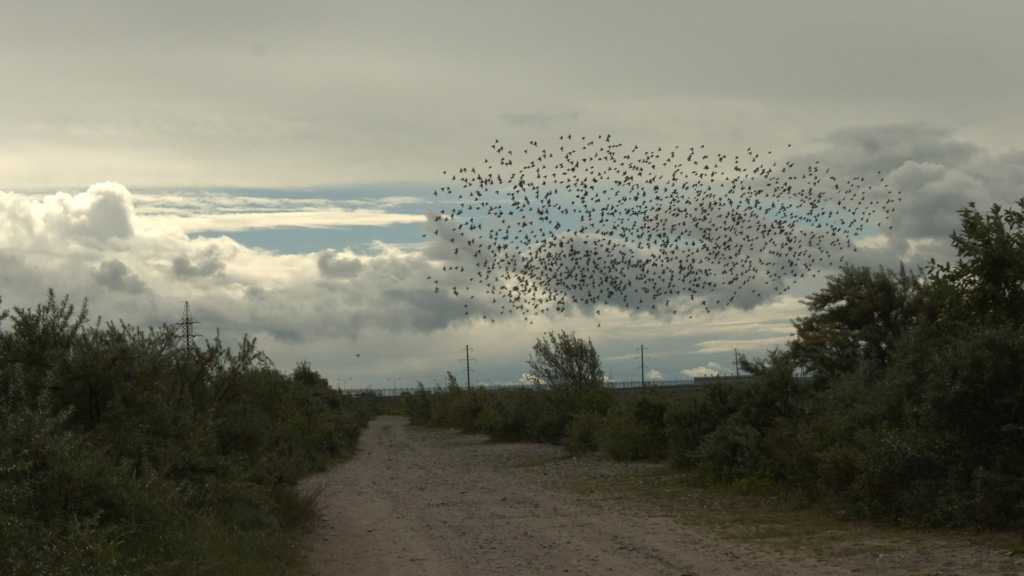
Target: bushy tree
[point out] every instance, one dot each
(569, 367)
(857, 317)
(988, 273)
(563, 360)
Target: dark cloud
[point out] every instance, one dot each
(206, 264)
(869, 149)
(20, 283)
(426, 311)
(137, 89)
(936, 172)
(115, 275)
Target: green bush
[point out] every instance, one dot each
(582, 435)
(732, 451)
(689, 421)
(570, 381)
(123, 452)
(635, 430)
(521, 414)
(416, 405)
(508, 415)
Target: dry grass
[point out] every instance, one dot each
(763, 516)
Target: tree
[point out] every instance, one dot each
(563, 360)
(858, 316)
(571, 370)
(988, 274)
(305, 374)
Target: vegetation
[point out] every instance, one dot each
(912, 409)
(569, 386)
(123, 452)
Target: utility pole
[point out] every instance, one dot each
(736, 361)
(467, 366)
(187, 324)
(643, 381)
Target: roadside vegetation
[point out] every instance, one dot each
(913, 411)
(124, 452)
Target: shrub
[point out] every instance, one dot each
(416, 405)
(689, 421)
(512, 415)
(123, 452)
(582, 435)
(733, 450)
(500, 419)
(635, 430)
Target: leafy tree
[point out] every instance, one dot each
(563, 360)
(858, 316)
(571, 370)
(988, 273)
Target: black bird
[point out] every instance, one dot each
(592, 225)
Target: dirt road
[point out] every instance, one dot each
(430, 502)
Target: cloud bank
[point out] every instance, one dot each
(139, 256)
(94, 244)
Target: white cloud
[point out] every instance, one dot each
(653, 375)
(709, 369)
(94, 243)
(333, 264)
(261, 220)
(709, 346)
(102, 213)
(873, 242)
(185, 203)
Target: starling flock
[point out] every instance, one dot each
(589, 223)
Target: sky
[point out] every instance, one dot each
(273, 162)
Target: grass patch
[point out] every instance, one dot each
(765, 514)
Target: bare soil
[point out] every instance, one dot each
(435, 502)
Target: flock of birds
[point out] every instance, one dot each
(589, 223)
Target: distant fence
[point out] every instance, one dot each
(616, 385)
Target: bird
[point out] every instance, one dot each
(590, 223)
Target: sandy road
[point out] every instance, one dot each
(429, 502)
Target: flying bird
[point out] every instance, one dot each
(590, 223)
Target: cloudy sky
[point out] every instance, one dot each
(273, 162)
